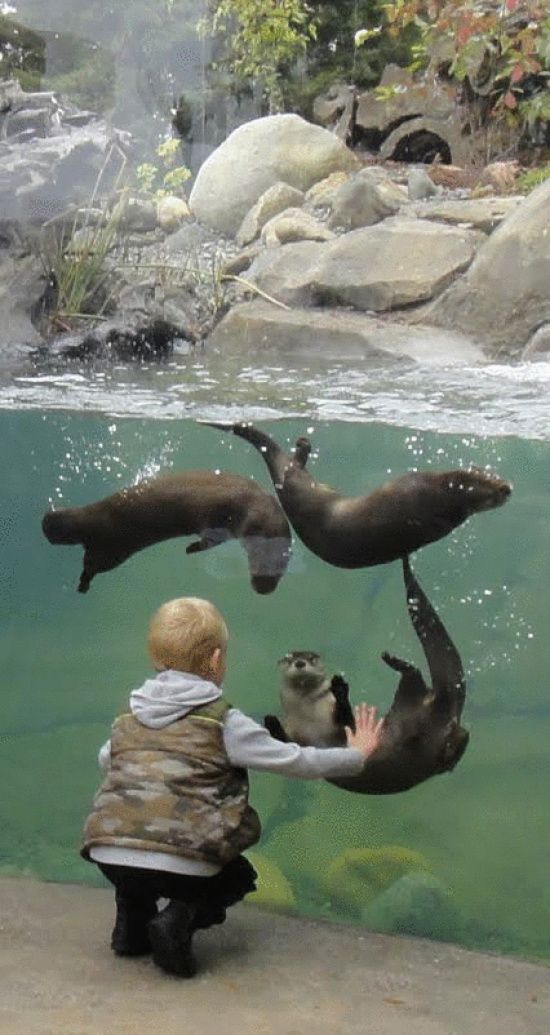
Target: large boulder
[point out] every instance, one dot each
(393, 264)
(255, 157)
(505, 294)
(260, 328)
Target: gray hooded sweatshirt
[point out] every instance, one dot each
(169, 697)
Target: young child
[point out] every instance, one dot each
(172, 815)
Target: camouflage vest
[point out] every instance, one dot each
(174, 790)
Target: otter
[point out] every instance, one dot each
(315, 708)
(388, 524)
(216, 507)
(421, 735)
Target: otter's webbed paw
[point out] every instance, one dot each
(398, 664)
(343, 712)
(84, 583)
(273, 726)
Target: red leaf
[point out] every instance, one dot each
(510, 100)
(518, 73)
(511, 5)
(463, 34)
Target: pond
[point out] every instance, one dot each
(461, 857)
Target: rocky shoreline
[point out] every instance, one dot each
(289, 242)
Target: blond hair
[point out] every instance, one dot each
(184, 633)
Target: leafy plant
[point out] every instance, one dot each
(168, 178)
(496, 51)
(75, 262)
(264, 39)
(532, 178)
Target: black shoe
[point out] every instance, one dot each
(130, 935)
(207, 916)
(170, 934)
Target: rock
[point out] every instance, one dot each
(258, 327)
(411, 119)
(366, 198)
(538, 347)
(135, 213)
(273, 889)
(335, 110)
(420, 186)
(22, 283)
(274, 200)
(357, 876)
(416, 904)
(322, 194)
(505, 294)
(236, 264)
(483, 214)
(502, 175)
(257, 155)
(396, 263)
(171, 213)
(294, 225)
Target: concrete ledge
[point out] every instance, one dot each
(260, 974)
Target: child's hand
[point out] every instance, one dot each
(368, 730)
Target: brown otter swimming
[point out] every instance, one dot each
(216, 507)
(421, 735)
(390, 523)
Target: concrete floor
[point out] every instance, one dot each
(260, 974)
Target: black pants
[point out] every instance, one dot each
(195, 902)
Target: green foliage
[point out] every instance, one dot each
(22, 52)
(264, 38)
(168, 178)
(89, 85)
(79, 265)
(533, 178)
(495, 50)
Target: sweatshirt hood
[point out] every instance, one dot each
(170, 696)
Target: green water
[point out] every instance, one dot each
(463, 857)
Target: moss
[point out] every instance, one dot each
(273, 889)
(356, 877)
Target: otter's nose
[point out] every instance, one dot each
(299, 663)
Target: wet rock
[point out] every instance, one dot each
(22, 284)
(504, 296)
(396, 263)
(256, 156)
(366, 198)
(273, 201)
(416, 904)
(258, 327)
(49, 161)
(483, 214)
(538, 347)
(294, 225)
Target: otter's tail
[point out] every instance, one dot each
(444, 661)
(276, 459)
